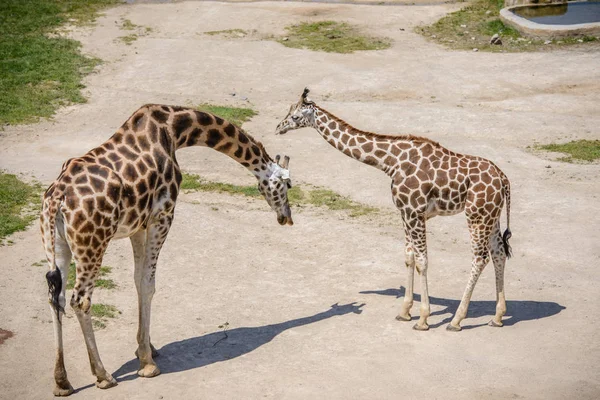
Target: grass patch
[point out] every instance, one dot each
(331, 37)
(129, 39)
(586, 150)
(473, 26)
(18, 200)
(101, 312)
(320, 197)
(235, 115)
(40, 70)
(228, 33)
(127, 25)
(101, 282)
(197, 183)
(317, 197)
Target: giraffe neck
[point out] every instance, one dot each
(195, 128)
(380, 151)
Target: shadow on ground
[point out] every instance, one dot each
(214, 347)
(516, 310)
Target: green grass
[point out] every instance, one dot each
(129, 39)
(18, 200)
(41, 73)
(235, 115)
(101, 312)
(332, 37)
(195, 182)
(101, 282)
(586, 150)
(228, 32)
(317, 197)
(471, 28)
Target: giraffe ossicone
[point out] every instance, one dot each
(128, 187)
(427, 180)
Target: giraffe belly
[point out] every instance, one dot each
(437, 206)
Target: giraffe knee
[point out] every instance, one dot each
(80, 304)
(421, 264)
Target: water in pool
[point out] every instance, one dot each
(562, 14)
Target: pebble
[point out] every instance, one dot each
(496, 40)
(476, 49)
(548, 42)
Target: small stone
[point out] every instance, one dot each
(580, 40)
(496, 40)
(401, 29)
(244, 98)
(472, 37)
(521, 39)
(285, 39)
(463, 26)
(548, 42)
(232, 94)
(488, 12)
(475, 49)
(433, 36)
(548, 166)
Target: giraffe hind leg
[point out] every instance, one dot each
(81, 302)
(499, 255)
(57, 280)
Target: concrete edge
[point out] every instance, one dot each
(533, 29)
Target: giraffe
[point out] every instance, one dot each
(427, 180)
(127, 188)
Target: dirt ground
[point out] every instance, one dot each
(227, 259)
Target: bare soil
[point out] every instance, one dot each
(227, 259)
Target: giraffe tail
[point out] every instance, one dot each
(507, 233)
(48, 224)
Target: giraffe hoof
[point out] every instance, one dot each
(453, 328)
(403, 317)
(64, 390)
(495, 324)
(418, 327)
(149, 371)
(106, 383)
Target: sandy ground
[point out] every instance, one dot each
(227, 260)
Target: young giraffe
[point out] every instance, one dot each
(427, 180)
(127, 187)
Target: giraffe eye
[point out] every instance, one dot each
(295, 118)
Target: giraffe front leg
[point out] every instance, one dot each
(138, 243)
(421, 324)
(407, 303)
(145, 274)
(419, 240)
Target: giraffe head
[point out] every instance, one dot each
(273, 185)
(301, 114)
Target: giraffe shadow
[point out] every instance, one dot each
(516, 310)
(200, 351)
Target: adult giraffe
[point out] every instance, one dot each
(427, 180)
(127, 187)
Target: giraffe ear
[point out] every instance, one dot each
(285, 163)
(305, 93)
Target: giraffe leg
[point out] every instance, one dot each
(81, 302)
(480, 249)
(499, 259)
(407, 303)
(138, 243)
(63, 259)
(420, 248)
(155, 237)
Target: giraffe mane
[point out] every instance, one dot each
(408, 137)
(180, 108)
